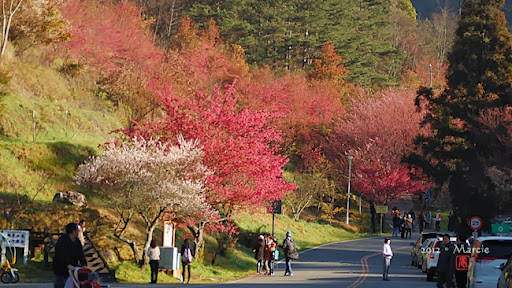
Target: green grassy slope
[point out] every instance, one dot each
(70, 124)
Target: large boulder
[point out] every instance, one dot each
(71, 197)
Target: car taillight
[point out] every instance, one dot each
(433, 249)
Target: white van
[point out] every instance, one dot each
(487, 254)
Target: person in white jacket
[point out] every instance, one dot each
(387, 254)
(154, 258)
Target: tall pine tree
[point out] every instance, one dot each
(479, 79)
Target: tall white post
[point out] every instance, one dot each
(348, 188)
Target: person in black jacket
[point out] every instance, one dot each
(290, 253)
(461, 273)
(68, 255)
(445, 264)
(421, 221)
(396, 225)
(259, 253)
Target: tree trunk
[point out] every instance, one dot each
(171, 21)
(149, 238)
(120, 229)
(198, 240)
(150, 228)
(7, 20)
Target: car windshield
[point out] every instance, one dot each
(501, 249)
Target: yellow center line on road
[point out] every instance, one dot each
(366, 268)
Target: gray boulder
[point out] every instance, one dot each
(71, 197)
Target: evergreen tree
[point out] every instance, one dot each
(479, 79)
(361, 33)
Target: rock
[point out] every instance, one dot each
(108, 255)
(71, 197)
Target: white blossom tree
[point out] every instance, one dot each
(147, 177)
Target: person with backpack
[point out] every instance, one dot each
(275, 254)
(154, 258)
(269, 255)
(186, 259)
(259, 253)
(290, 253)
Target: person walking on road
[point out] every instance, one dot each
(68, 255)
(290, 253)
(387, 254)
(428, 220)
(421, 222)
(413, 216)
(270, 248)
(402, 225)
(444, 264)
(186, 259)
(154, 258)
(408, 226)
(451, 221)
(438, 220)
(396, 225)
(259, 253)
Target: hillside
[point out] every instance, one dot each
(70, 123)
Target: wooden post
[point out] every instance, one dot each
(381, 228)
(34, 126)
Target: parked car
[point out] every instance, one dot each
(505, 280)
(488, 253)
(416, 257)
(425, 253)
(430, 260)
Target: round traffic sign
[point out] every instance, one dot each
(475, 223)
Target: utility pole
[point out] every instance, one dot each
(430, 75)
(350, 157)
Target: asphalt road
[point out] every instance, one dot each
(349, 264)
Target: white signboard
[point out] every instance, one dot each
(15, 239)
(168, 235)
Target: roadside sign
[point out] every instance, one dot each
(274, 207)
(381, 209)
(462, 262)
(500, 228)
(475, 223)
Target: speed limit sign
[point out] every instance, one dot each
(475, 223)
